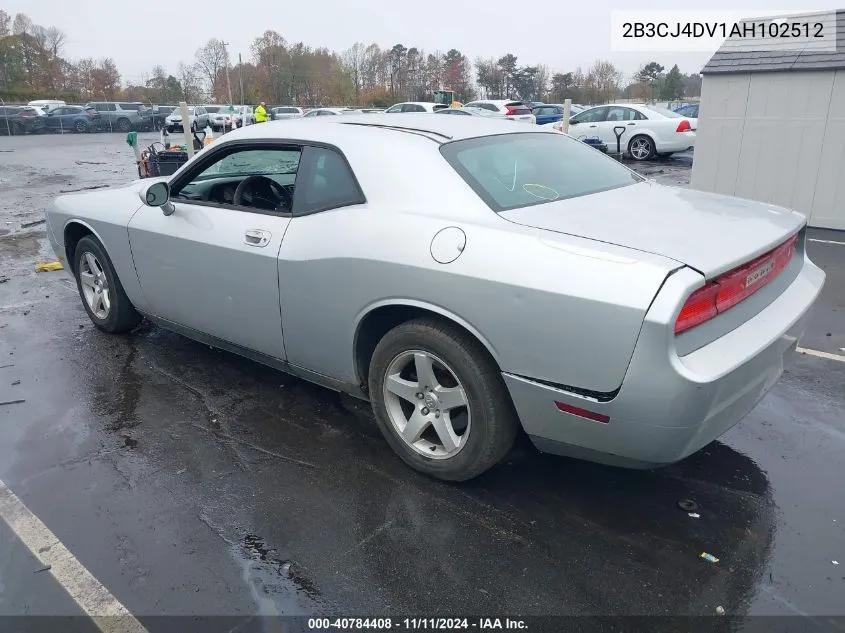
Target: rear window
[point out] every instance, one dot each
(510, 171)
(129, 106)
(287, 111)
(665, 112)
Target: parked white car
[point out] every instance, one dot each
(645, 131)
(46, 105)
(286, 112)
(517, 110)
(414, 106)
(330, 112)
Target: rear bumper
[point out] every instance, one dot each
(676, 142)
(671, 406)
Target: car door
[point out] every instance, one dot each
(330, 210)
(546, 114)
(53, 119)
(586, 124)
(618, 119)
(212, 265)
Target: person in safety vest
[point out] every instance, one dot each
(261, 113)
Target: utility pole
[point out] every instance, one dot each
(228, 84)
(241, 76)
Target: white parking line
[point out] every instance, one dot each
(109, 615)
(826, 241)
(815, 352)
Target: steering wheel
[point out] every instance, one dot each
(248, 193)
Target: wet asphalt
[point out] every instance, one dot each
(193, 482)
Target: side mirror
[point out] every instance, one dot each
(158, 195)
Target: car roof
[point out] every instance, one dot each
(499, 101)
(438, 128)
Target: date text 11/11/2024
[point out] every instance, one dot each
(753, 30)
(416, 624)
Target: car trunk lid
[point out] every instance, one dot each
(708, 232)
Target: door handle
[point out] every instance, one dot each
(257, 237)
(594, 126)
(632, 124)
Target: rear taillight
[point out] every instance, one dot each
(512, 110)
(684, 126)
(735, 286)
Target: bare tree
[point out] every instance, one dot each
(55, 40)
(353, 58)
(211, 60)
(22, 24)
(5, 23)
(190, 80)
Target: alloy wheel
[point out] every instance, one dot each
(427, 404)
(640, 148)
(95, 286)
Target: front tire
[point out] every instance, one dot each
(102, 294)
(439, 400)
(641, 147)
(80, 126)
(124, 125)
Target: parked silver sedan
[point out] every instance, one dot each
(467, 276)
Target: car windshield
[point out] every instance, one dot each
(130, 106)
(213, 109)
(510, 171)
(665, 112)
(286, 110)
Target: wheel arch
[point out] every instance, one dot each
(377, 319)
(74, 230)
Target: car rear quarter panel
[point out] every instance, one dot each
(106, 214)
(548, 306)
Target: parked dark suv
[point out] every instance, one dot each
(20, 120)
(120, 116)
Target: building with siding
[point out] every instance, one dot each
(771, 124)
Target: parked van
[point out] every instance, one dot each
(47, 105)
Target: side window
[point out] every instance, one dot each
(639, 116)
(59, 111)
(593, 115)
(326, 182)
(271, 190)
(394, 109)
(413, 107)
(110, 107)
(619, 114)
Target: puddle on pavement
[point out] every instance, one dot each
(278, 586)
(118, 401)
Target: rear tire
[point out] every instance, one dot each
(124, 125)
(463, 372)
(80, 126)
(101, 292)
(641, 147)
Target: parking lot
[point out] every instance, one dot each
(189, 481)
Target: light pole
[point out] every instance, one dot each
(228, 84)
(241, 76)
(6, 117)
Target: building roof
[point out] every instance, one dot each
(742, 55)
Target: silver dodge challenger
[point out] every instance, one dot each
(470, 278)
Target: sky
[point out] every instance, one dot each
(562, 35)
